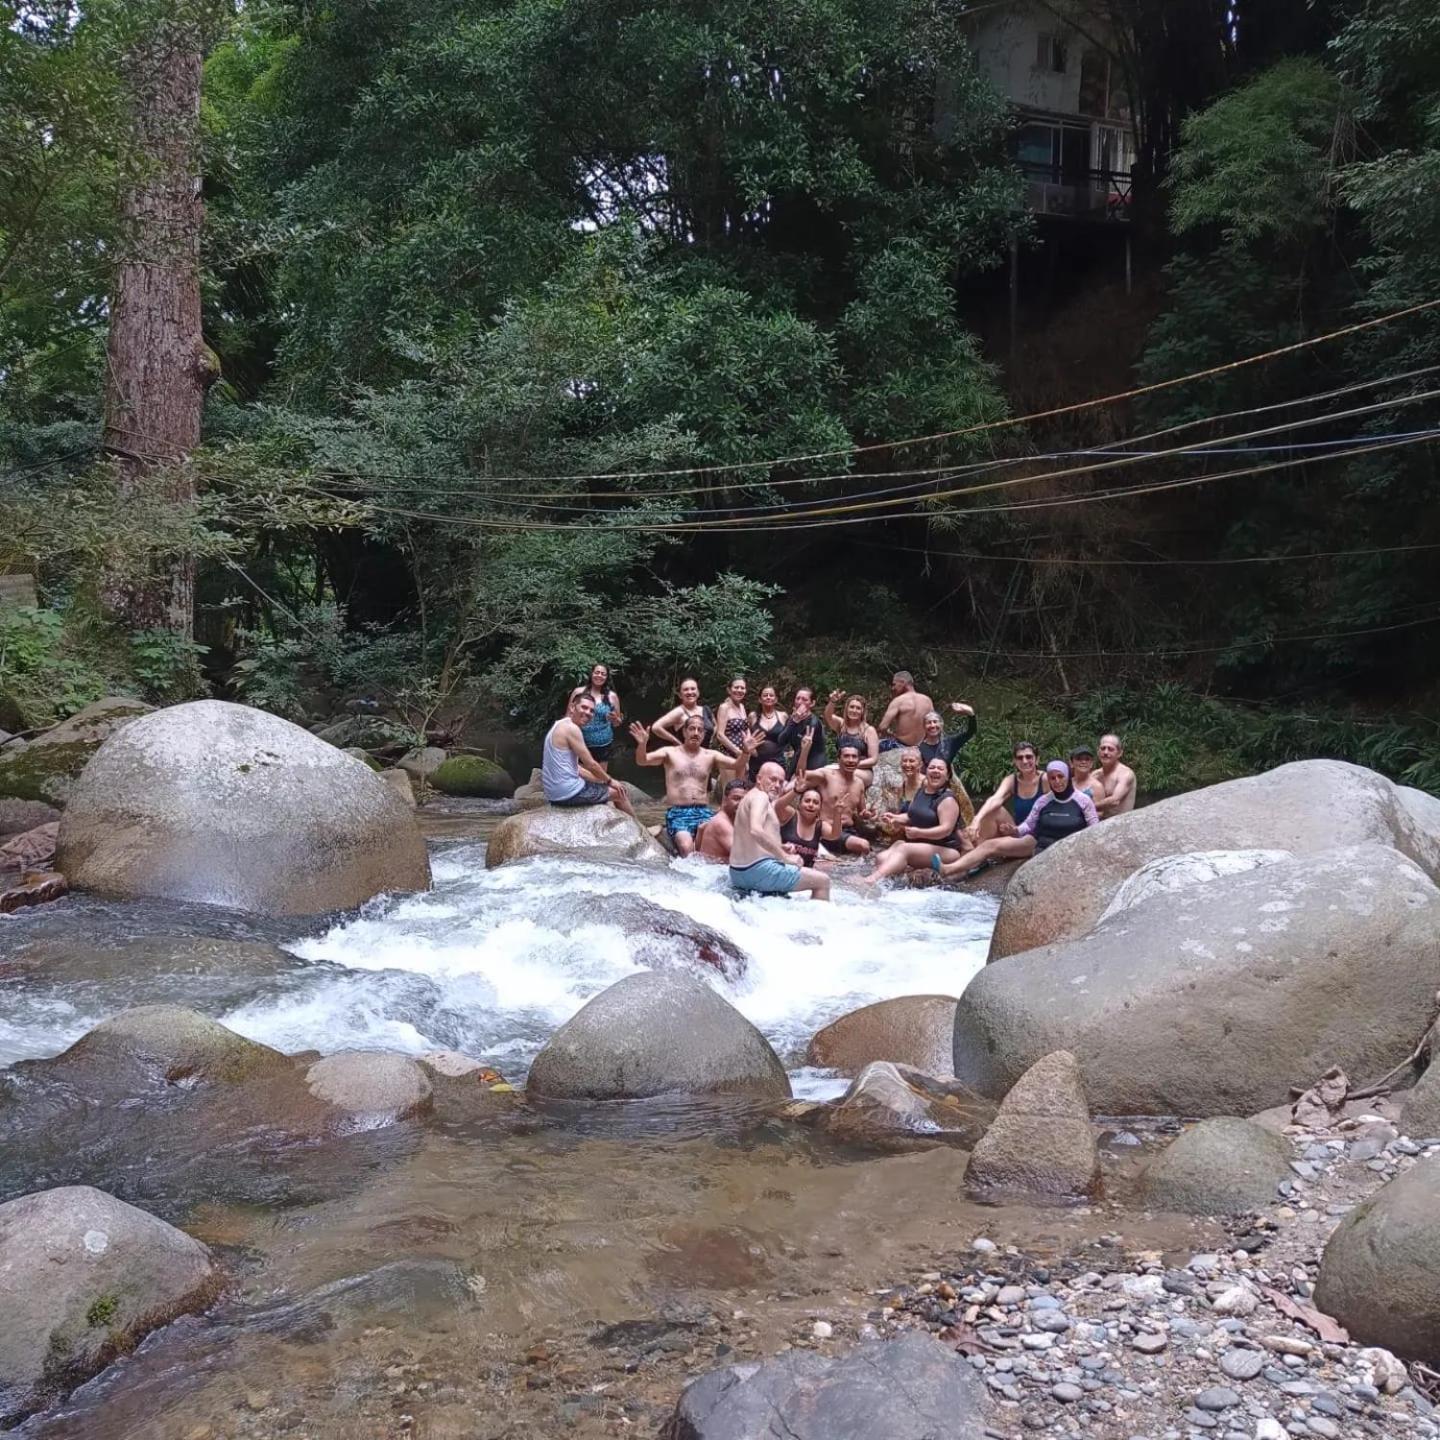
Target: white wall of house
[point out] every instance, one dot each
(1009, 48)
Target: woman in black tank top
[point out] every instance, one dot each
(800, 834)
(929, 829)
(769, 722)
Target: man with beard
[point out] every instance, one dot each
(843, 784)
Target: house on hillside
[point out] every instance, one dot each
(1076, 138)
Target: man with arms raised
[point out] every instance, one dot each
(688, 770)
(569, 774)
(903, 722)
(717, 834)
(759, 864)
(844, 786)
(1118, 779)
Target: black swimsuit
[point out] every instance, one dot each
(806, 849)
(769, 747)
(923, 812)
(1058, 821)
(949, 746)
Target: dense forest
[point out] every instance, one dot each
(431, 349)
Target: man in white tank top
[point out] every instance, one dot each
(569, 774)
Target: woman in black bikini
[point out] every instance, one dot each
(800, 832)
(732, 719)
(853, 726)
(769, 720)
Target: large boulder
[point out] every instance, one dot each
(31, 850)
(157, 1045)
(593, 832)
(48, 767)
(1040, 1142)
(472, 775)
(1222, 1166)
(83, 1278)
(1380, 1274)
(655, 1033)
(896, 1107)
(910, 1388)
(231, 806)
(915, 1030)
(1307, 807)
(1215, 999)
(371, 1087)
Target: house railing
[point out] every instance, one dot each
(1078, 194)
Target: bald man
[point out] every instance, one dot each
(759, 862)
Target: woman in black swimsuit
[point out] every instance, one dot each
(732, 719)
(800, 833)
(929, 828)
(769, 720)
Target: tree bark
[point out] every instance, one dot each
(157, 366)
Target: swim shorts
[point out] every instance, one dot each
(602, 751)
(888, 744)
(765, 877)
(847, 832)
(680, 819)
(593, 793)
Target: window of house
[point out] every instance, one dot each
(1051, 54)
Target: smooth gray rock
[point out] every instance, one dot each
(1306, 807)
(1222, 1166)
(1215, 999)
(421, 764)
(85, 1277)
(18, 816)
(156, 1045)
(915, 1030)
(1380, 1273)
(1179, 872)
(658, 938)
(913, 1388)
(594, 832)
(231, 806)
(374, 1087)
(1040, 1142)
(656, 1033)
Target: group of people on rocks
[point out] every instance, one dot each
(785, 806)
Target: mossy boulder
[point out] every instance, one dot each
(472, 775)
(47, 768)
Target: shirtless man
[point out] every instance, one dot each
(758, 862)
(903, 722)
(844, 786)
(1118, 779)
(570, 775)
(717, 834)
(688, 771)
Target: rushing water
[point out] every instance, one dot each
(491, 962)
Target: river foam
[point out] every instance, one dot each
(473, 965)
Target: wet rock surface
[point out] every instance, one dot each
(594, 832)
(83, 1278)
(657, 1033)
(898, 1107)
(659, 938)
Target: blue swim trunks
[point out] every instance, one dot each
(682, 818)
(765, 877)
(890, 743)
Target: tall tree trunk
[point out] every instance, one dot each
(157, 366)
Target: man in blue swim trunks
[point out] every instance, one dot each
(759, 862)
(689, 768)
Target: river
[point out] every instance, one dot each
(401, 1282)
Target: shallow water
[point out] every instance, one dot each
(446, 1248)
